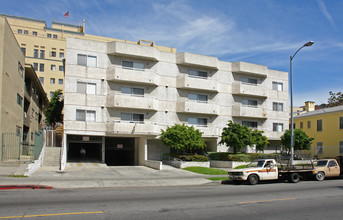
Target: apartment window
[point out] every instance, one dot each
(51, 94)
(35, 53)
(197, 74)
(53, 54)
(34, 33)
(249, 103)
(341, 147)
(132, 91)
(277, 106)
(308, 124)
(301, 125)
(26, 32)
(197, 97)
(41, 67)
(20, 31)
(48, 35)
(278, 127)
(54, 36)
(61, 68)
(53, 67)
(42, 54)
(35, 66)
(23, 49)
(86, 60)
(319, 125)
(249, 81)
(60, 81)
(86, 88)
(133, 65)
(41, 80)
(201, 122)
(19, 100)
(278, 86)
(61, 55)
(85, 115)
(250, 124)
(340, 122)
(319, 147)
(132, 117)
(52, 81)
(20, 68)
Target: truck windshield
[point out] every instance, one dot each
(256, 164)
(322, 163)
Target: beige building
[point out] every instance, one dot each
(44, 47)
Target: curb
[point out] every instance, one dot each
(5, 187)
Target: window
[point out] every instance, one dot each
(61, 68)
(53, 54)
(340, 122)
(20, 68)
(250, 124)
(48, 35)
(86, 88)
(319, 147)
(35, 66)
(20, 31)
(26, 32)
(277, 106)
(249, 103)
(308, 124)
(19, 100)
(42, 54)
(319, 125)
(132, 117)
(85, 115)
(41, 79)
(132, 91)
(41, 67)
(341, 147)
(35, 53)
(249, 81)
(53, 67)
(301, 125)
(278, 127)
(52, 81)
(18, 130)
(23, 49)
(201, 122)
(34, 33)
(31, 136)
(54, 36)
(51, 94)
(60, 81)
(86, 60)
(278, 86)
(132, 65)
(197, 74)
(61, 55)
(197, 97)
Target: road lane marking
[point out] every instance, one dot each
(272, 200)
(55, 214)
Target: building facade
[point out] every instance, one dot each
(118, 97)
(325, 126)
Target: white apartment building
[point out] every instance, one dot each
(118, 97)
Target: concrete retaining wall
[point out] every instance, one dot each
(184, 164)
(154, 164)
(226, 164)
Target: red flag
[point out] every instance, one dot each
(66, 14)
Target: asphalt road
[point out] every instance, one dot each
(304, 200)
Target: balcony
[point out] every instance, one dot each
(139, 128)
(208, 131)
(197, 108)
(249, 112)
(250, 69)
(132, 76)
(197, 60)
(248, 89)
(131, 102)
(193, 83)
(133, 50)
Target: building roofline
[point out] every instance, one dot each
(321, 111)
(64, 31)
(65, 24)
(23, 18)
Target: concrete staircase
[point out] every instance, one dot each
(52, 157)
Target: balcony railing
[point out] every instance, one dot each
(197, 60)
(186, 82)
(133, 50)
(132, 76)
(126, 127)
(249, 112)
(197, 108)
(118, 100)
(250, 69)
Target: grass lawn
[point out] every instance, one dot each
(206, 170)
(218, 178)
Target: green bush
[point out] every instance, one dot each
(225, 156)
(186, 157)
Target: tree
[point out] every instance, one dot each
(260, 140)
(301, 140)
(183, 138)
(237, 136)
(54, 109)
(335, 99)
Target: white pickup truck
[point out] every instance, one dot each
(267, 169)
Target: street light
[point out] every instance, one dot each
(308, 44)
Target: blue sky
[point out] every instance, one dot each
(265, 32)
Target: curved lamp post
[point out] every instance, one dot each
(308, 44)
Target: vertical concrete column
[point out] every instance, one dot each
(103, 150)
(143, 150)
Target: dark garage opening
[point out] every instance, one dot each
(120, 151)
(93, 152)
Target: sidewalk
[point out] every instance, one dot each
(93, 175)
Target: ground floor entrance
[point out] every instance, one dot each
(120, 151)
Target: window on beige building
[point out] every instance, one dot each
(319, 147)
(319, 125)
(53, 67)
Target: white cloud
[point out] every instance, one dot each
(326, 13)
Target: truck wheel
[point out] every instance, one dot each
(253, 179)
(320, 176)
(294, 178)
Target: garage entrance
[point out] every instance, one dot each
(93, 152)
(120, 151)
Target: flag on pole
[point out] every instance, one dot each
(66, 14)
